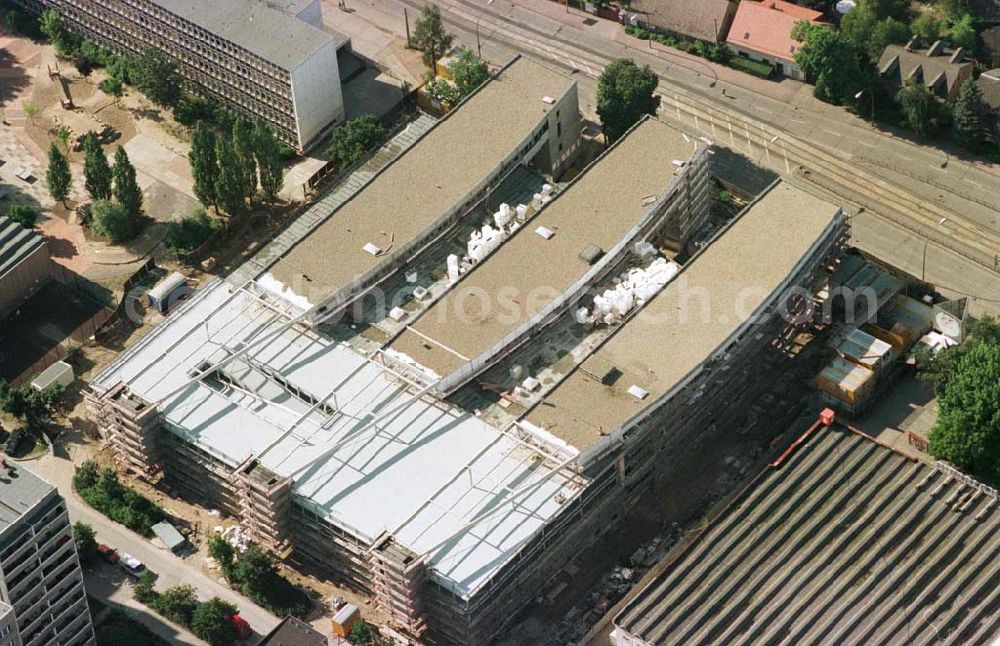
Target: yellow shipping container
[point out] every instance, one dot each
(846, 381)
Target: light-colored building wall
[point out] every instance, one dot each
(40, 575)
(316, 94)
(785, 66)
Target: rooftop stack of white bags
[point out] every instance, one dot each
(485, 240)
(633, 288)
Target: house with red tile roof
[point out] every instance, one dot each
(762, 31)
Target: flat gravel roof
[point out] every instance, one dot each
(275, 36)
(435, 175)
(681, 327)
(528, 271)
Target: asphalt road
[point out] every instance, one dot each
(171, 569)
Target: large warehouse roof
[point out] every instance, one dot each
(685, 324)
(845, 542)
(437, 174)
(371, 459)
(514, 284)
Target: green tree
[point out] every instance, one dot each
(58, 175)
(920, 107)
(970, 116)
(114, 87)
(23, 214)
(430, 36)
(884, 33)
(954, 9)
(443, 91)
(254, 571)
(363, 634)
(204, 165)
(223, 552)
(50, 23)
(625, 93)
(212, 621)
(965, 33)
(85, 475)
(112, 220)
(928, 27)
(967, 432)
(96, 171)
(157, 77)
(86, 543)
(349, 141)
(468, 71)
(267, 151)
(63, 134)
(126, 188)
(144, 590)
(229, 180)
(831, 62)
(243, 150)
(177, 604)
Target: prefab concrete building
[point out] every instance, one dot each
(267, 60)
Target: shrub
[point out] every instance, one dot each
(757, 68)
(111, 220)
(100, 489)
(23, 214)
(193, 230)
(255, 574)
(144, 591)
(350, 141)
(177, 604)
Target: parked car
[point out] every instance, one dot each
(13, 441)
(243, 629)
(109, 554)
(131, 565)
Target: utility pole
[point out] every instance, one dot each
(479, 45)
(406, 19)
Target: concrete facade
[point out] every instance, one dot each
(268, 64)
(40, 576)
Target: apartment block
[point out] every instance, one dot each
(42, 599)
(267, 60)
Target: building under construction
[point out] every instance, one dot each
(362, 452)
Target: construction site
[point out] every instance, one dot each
(452, 385)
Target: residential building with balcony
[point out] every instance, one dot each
(41, 582)
(267, 60)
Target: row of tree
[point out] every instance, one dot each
(24, 401)
(229, 167)
(211, 620)
(101, 489)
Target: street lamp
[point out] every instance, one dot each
(871, 93)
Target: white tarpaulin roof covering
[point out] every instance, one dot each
(424, 472)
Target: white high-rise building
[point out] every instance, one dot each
(42, 599)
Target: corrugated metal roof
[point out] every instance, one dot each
(848, 542)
